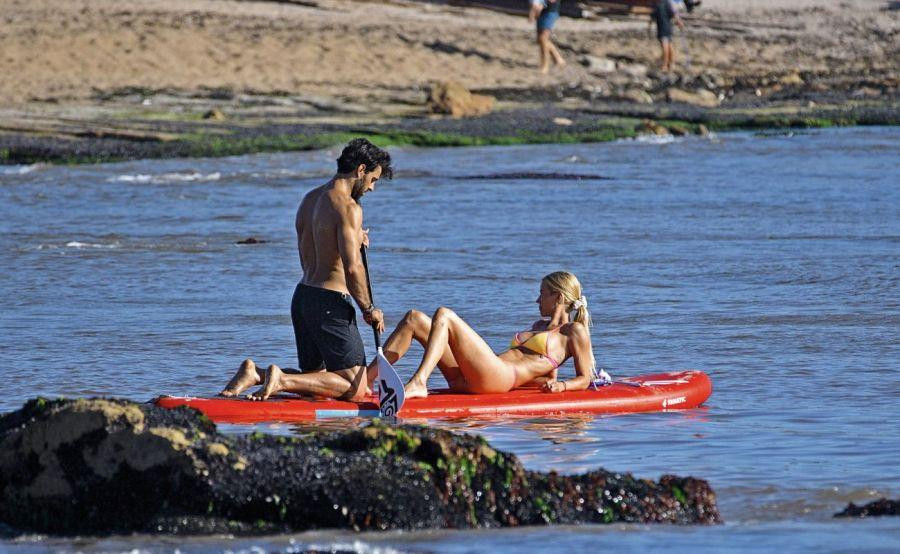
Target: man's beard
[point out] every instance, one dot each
(358, 190)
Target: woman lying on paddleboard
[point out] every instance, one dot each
(469, 364)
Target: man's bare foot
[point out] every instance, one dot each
(560, 62)
(545, 69)
(415, 390)
(272, 385)
(247, 376)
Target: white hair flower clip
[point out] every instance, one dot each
(580, 303)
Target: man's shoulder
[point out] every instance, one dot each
(345, 206)
(312, 196)
(326, 197)
(329, 208)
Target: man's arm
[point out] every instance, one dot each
(535, 10)
(349, 242)
(675, 15)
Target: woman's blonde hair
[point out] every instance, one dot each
(568, 286)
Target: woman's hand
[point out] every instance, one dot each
(555, 386)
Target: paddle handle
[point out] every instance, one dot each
(365, 260)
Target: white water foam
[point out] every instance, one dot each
(18, 169)
(290, 173)
(166, 178)
(574, 159)
(652, 139)
(356, 546)
(79, 245)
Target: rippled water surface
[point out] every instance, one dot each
(769, 261)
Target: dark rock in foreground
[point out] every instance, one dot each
(880, 507)
(92, 466)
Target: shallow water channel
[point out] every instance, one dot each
(768, 260)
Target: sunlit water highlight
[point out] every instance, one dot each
(771, 262)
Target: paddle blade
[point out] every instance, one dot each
(390, 387)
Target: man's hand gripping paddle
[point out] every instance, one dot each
(390, 387)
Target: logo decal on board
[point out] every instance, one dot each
(672, 401)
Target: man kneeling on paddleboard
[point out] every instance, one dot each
(329, 236)
(469, 364)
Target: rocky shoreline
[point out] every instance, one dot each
(224, 78)
(171, 124)
(99, 466)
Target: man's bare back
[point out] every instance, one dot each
(321, 217)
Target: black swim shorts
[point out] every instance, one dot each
(325, 330)
(663, 16)
(663, 28)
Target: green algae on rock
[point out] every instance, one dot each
(90, 466)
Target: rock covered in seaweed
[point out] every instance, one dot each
(103, 466)
(880, 507)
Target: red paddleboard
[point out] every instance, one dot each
(677, 390)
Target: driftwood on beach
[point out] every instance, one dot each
(92, 466)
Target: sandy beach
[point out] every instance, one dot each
(377, 59)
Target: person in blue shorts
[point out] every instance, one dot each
(664, 13)
(545, 13)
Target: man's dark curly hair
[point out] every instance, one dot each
(361, 151)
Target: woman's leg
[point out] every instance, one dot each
(483, 371)
(415, 325)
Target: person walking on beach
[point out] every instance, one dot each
(330, 350)
(664, 13)
(545, 13)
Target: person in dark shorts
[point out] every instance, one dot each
(325, 330)
(329, 237)
(664, 13)
(545, 13)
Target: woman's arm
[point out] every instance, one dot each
(583, 355)
(539, 382)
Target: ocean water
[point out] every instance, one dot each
(770, 261)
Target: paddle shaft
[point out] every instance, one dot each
(365, 260)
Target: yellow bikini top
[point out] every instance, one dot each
(537, 343)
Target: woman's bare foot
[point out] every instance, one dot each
(560, 62)
(272, 385)
(414, 389)
(545, 69)
(247, 376)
